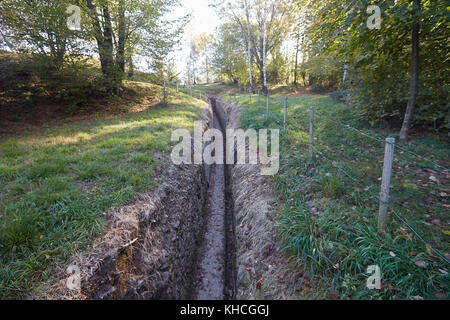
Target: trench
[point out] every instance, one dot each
(177, 243)
(214, 278)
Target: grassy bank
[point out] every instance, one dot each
(56, 183)
(328, 220)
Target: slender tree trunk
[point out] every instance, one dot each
(296, 65)
(249, 56)
(409, 114)
(108, 46)
(207, 69)
(344, 77)
(264, 50)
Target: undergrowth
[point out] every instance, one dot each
(328, 220)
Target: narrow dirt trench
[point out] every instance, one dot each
(213, 279)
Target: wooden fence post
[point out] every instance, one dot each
(385, 183)
(311, 133)
(285, 114)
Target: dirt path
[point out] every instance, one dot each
(209, 282)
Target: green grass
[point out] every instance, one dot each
(329, 222)
(213, 88)
(56, 183)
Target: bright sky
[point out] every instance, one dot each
(204, 19)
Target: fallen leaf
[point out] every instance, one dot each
(436, 222)
(333, 295)
(443, 271)
(429, 250)
(259, 284)
(281, 277)
(434, 179)
(440, 295)
(420, 264)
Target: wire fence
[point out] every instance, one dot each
(427, 186)
(371, 141)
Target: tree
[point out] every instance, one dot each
(228, 54)
(270, 27)
(38, 27)
(203, 47)
(380, 79)
(103, 34)
(264, 49)
(117, 24)
(414, 75)
(249, 55)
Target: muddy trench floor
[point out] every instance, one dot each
(210, 281)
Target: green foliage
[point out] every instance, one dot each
(277, 71)
(229, 60)
(39, 27)
(379, 60)
(322, 72)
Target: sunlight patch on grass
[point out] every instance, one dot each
(56, 183)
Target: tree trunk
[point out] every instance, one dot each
(120, 56)
(344, 77)
(409, 114)
(296, 66)
(207, 70)
(248, 47)
(130, 69)
(265, 91)
(104, 42)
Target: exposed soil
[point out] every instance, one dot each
(149, 250)
(210, 276)
(263, 269)
(215, 272)
(186, 240)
